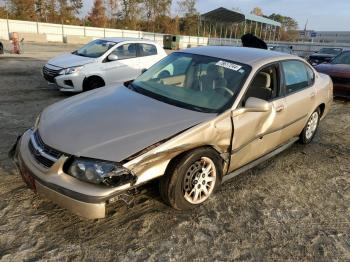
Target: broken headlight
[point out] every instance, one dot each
(101, 172)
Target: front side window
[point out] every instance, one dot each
(147, 49)
(343, 58)
(125, 51)
(265, 85)
(295, 76)
(195, 82)
(95, 48)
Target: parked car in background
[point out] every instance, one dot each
(102, 62)
(339, 70)
(325, 55)
(282, 49)
(196, 118)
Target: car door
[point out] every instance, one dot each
(258, 133)
(300, 96)
(125, 68)
(148, 55)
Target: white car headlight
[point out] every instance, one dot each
(71, 70)
(101, 172)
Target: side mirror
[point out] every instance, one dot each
(254, 104)
(113, 57)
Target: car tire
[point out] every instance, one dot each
(93, 83)
(311, 127)
(191, 179)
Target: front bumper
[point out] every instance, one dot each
(70, 83)
(87, 210)
(81, 198)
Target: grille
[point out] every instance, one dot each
(341, 80)
(42, 153)
(50, 74)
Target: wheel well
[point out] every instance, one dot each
(322, 108)
(176, 158)
(94, 77)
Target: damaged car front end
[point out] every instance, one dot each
(104, 143)
(188, 120)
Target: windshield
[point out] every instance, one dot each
(95, 48)
(195, 82)
(331, 51)
(343, 58)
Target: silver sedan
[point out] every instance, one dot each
(193, 120)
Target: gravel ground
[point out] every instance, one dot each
(295, 206)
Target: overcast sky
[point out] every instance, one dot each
(332, 15)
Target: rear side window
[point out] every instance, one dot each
(125, 51)
(147, 49)
(295, 75)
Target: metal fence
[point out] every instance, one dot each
(35, 31)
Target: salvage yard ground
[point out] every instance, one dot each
(295, 206)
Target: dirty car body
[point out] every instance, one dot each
(239, 104)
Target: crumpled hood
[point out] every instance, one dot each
(70, 60)
(112, 123)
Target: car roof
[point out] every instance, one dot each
(244, 55)
(124, 39)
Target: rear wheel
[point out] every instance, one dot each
(310, 129)
(192, 179)
(93, 83)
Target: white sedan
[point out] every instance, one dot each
(102, 62)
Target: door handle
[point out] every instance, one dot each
(279, 108)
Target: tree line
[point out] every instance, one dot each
(144, 15)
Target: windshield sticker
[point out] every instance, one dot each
(228, 65)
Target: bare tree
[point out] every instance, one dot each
(97, 16)
(157, 13)
(22, 9)
(190, 15)
(112, 7)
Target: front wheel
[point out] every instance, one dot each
(192, 179)
(93, 83)
(310, 129)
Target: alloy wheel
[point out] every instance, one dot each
(199, 181)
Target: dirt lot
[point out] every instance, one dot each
(295, 206)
